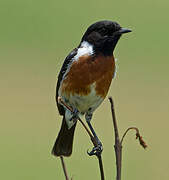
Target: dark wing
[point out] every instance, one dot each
(60, 76)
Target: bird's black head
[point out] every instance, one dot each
(104, 35)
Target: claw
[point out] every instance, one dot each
(96, 150)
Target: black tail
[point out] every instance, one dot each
(64, 142)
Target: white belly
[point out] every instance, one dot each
(84, 103)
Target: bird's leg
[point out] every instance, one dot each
(97, 150)
(75, 114)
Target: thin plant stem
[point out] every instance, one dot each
(101, 167)
(117, 146)
(64, 168)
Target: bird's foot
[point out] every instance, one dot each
(97, 150)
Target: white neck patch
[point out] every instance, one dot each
(85, 49)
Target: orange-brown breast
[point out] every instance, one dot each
(87, 71)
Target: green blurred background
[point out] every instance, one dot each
(35, 37)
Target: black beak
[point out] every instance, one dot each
(122, 31)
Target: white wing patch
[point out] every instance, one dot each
(85, 49)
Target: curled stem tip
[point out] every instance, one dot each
(138, 136)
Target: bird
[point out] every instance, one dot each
(84, 81)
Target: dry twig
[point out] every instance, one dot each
(64, 168)
(118, 143)
(117, 146)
